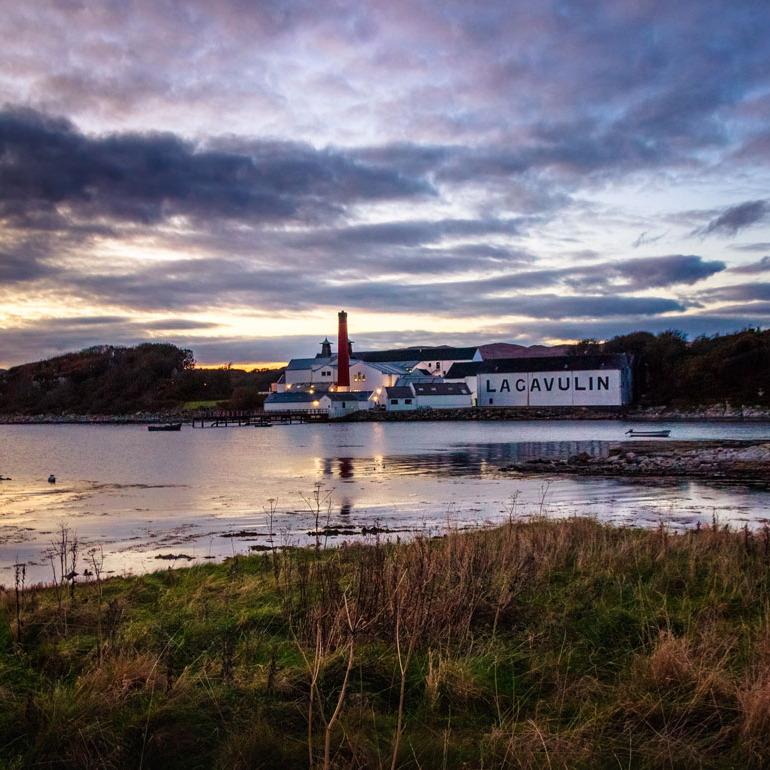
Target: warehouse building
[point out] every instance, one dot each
(558, 381)
(448, 377)
(425, 395)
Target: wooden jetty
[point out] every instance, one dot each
(229, 418)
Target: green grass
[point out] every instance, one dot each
(193, 406)
(536, 645)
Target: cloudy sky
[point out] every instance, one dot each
(228, 175)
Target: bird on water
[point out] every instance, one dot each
(52, 479)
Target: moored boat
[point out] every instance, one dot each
(648, 433)
(166, 427)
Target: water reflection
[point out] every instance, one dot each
(141, 495)
(341, 467)
(482, 460)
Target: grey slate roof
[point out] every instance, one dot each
(463, 369)
(391, 367)
(398, 392)
(406, 379)
(306, 363)
(349, 395)
(441, 389)
(291, 397)
(417, 354)
(554, 364)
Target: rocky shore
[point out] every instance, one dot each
(140, 418)
(744, 460)
(715, 413)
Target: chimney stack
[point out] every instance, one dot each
(343, 353)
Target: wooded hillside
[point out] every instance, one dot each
(670, 371)
(118, 380)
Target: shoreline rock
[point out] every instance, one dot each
(716, 460)
(713, 413)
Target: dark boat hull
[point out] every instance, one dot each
(170, 427)
(648, 433)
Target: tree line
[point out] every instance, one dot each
(108, 379)
(670, 370)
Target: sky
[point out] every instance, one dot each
(228, 176)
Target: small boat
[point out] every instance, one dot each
(648, 433)
(167, 426)
(52, 479)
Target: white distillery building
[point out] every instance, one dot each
(338, 404)
(321, 374)
(424, 395)
(556, 381)
(372, 370)
(335, 404)
(301, 401)
(467, 372)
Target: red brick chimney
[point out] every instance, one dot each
(343, 353)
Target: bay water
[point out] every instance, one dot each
(147, 500)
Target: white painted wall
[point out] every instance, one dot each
(401, 405)
(445, 402)
(292, 406)
(439, 367)
(341, 408)
(599, 387)
(472, 382)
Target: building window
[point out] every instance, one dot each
(394, 401)
(359, 377)
(343, 404)
(491, 401)
(407, 400)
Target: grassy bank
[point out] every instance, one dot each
(536, 645)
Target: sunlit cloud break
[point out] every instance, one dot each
(228, 177)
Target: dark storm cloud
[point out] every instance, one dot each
(359, 241)
(761, 266)
(755, 310)
(97, 320)
(297, 286)
(616, 276)
(665, 271)
(744, 292)
(15, 268)
(47, 166)
(730, 221)
(750, 247)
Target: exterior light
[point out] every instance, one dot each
(379, 390)
(288, 387)
(315, 403)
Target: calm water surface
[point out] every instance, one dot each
(204, 493)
